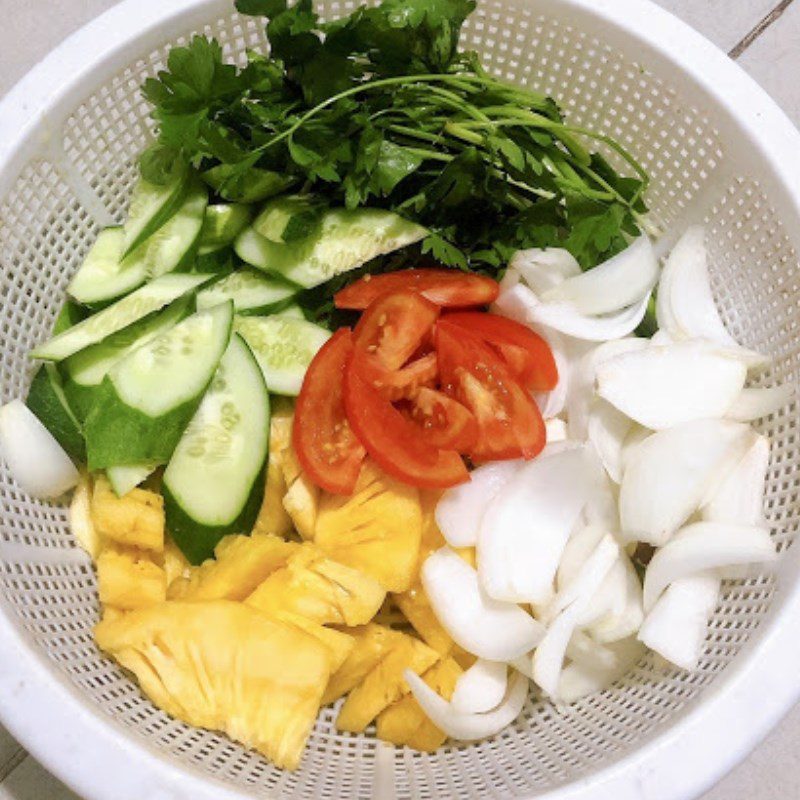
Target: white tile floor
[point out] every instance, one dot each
(772, 772)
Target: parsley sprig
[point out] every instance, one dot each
(381, 108)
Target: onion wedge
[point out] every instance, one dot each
(525, 528)
(487, 628)
(544, 269)
(461, 509)
(556, 429)
(466, 727)
(578, 681)
(676, 625)
(753, 404)
(661, 387)
(669, 474)
(619, 282)
(35, 459)
(608, 428)
(704, 546)
(481, 688)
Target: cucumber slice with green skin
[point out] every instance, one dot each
(84, 371)
(70, 314)
(217, 262)
(119, 315)
(283, 347)
(151, 206)
(125, 478)
(47, 401)
(214, 482)
(292, 312)
(222, 223)
(344, 241)
(252, 292)
(104, 275)
(146, 400)
(288, 219)
(256, 184)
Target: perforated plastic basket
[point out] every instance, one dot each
(718, 150)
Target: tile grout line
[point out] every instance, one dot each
(762, 25)
(11, 763)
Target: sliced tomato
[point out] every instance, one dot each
(509, 422)
(326, 447)
(443, 421)
(394, 443)
(404, 383)
(446, 287)
(526, 353)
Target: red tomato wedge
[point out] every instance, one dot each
(509, 422)
(404, 383)
(394, 443)
(446, 287)
(443, 421)
(526, 353)
(326, 446)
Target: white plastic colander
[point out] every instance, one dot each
(718, 150)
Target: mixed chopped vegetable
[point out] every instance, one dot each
(353, 406)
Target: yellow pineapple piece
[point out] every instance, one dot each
(128, 579)
(241, 564)
(176, 565)
(338, 643)
(370, 644)
(273, 517)
(385, 683)
(405, 723)
(135, 520)
(80, 518)
(225, 666)
(376, 530)
(314, 586)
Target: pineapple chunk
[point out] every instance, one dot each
(241, 564)
(128, 579)
(176, 565)
(273, 517)
(225, 666)
(135, 520)
(376, 530)
(301, 503)
(338, 644)
(405, 723)
(80, 518)
(371, 643)
(417, 610)
(313, 586)
(385, 683)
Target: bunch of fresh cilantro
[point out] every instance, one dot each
(381, 108)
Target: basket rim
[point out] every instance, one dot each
(93, 756)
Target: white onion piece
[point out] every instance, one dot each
(35, 459)
(461, 509)
(636, 436)
(607, 430)
(704, 546)
(543, 269)
(661, 337)
(581, 649)
(619, 282)
(548, 658)
(517, 303)
(469, 727)
(676, 626)
(602, 508)
(578, 681)
(563, 317)
(752, 404)
(525, 528)
(739, 497)
(556, 429)
(485, 627)
(661, 387)
(668, 475)
(80, 518)
(552, 403)
(481, 688)
(583, 376)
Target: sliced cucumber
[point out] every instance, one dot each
(252, 292)
(222, 223)
(283, 347)
(256, 184)
(47, 401)
(344, 241)
(292, 312)
(104, 274)
(214, 483)
(151, 206)
(70, 314)
(217, 262)
(147, 399)
(126, 477)
(289, 219)
(119, 315)
(84, 371)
